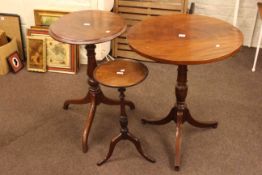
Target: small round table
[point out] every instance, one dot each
(122, 74)
(184, 40)
(88, 28)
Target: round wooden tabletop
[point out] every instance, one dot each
(87, 27)
(185, 39)
(120, 73)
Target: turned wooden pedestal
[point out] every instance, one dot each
(89, 28)
(180, 113)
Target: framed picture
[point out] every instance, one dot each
(11, 24)
(61, 57)
(57, 53)
(36, 54)
(15, 62)
(45, 18)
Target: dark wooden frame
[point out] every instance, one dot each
(21, 46)
(10, 59)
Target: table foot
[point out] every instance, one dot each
(125, 136)
(113, 143)
(88, 124)
(163, 121)
(177, 168)
(84, 100)
(199, 124)
(139, 147)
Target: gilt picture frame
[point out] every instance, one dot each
(36, 54)
(61, 57)
(57, 53)
(45, 18)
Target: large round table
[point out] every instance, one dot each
(183, 39)
(89, 27)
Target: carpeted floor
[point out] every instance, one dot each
(38, 137)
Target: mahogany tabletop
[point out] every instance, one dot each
(259, 4)
(120, 73)
(87, 27)
(185, 39)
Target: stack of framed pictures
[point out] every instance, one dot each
(46, 54)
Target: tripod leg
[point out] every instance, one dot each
(113, 143)
(179, 122)
(84, 100)
(163, 121)
(199, 124)
(139, 147)
(88, 125)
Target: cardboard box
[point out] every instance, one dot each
(5, 51)
(3, 38)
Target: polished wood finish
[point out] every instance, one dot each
(134, 11)
(180, 113)
(205, 40)
(184, 40)
(259, 4)
(124, 132)
(89, 28)
(121, 73)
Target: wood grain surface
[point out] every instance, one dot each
(87, 27)
(121, 73)
(134, 11)
(185, 39)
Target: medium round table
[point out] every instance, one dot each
(88, 28)
(184, 40)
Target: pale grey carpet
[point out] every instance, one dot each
(38, 137)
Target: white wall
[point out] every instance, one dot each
(25, 8)
(224, 9)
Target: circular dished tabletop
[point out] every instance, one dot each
(87, 27)
(185, 39)
(120, 73)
